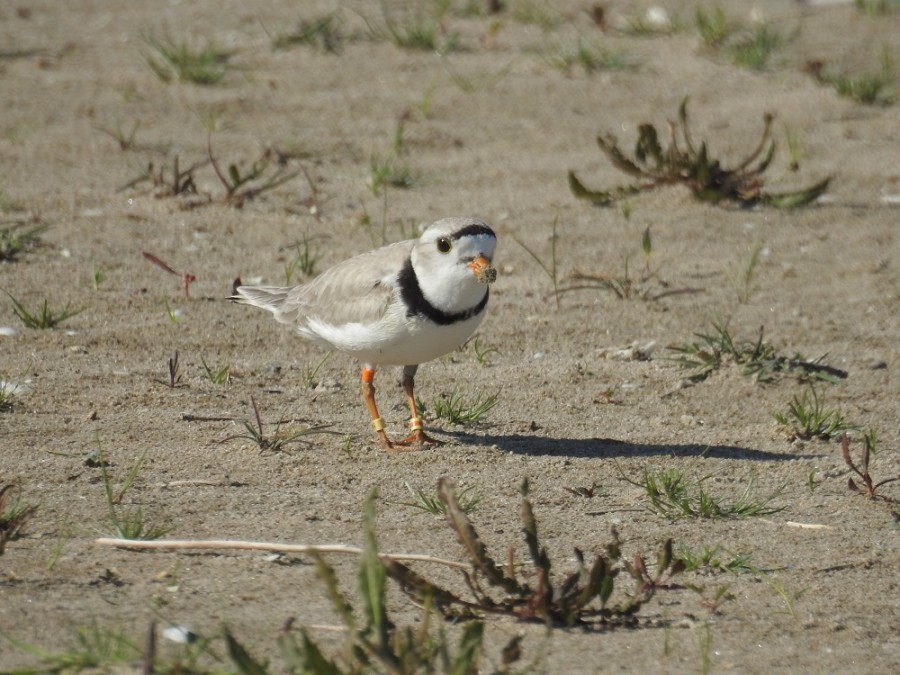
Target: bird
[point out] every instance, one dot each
(403, 304)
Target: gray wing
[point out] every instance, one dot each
(357, 290)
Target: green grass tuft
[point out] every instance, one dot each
(174, 59)
(45, 317)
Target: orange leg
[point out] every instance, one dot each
(368, 392)
(417, 436)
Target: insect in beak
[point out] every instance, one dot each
(481, 268)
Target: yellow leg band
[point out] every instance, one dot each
(378, 423)
(415, 424)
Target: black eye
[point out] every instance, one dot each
(444, 245)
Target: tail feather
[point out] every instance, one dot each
(266, 297)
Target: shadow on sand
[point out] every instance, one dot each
(611, 448)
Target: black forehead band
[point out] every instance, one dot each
(472, 230)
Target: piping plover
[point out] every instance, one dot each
(402, 304)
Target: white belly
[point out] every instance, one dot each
(396, 340)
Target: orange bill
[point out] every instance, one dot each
(481, 268)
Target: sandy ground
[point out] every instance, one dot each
(489, 129)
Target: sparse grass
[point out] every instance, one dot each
(549, 268)
(305, 257)
(130, 524)
(715, 560)
(216, 376)
(754, 46)
(758, 359)
(390, 170)
(876, 7)
(127, 139)
(483, 351)
(590, 596)
(459, 409)
(472, 83)
(654, 22)
(106, 650)
(200, 62)
(322, 33)
(10, 204)
(588, 55)
(7, 390)
(416, 26)
(808, 417)
(788, 597)
(407, 228)
(673, 495)
(96, 649)
(44, 318)
(749, 46)
(63, 536)
(19, 239)
(433, 504)
(713, 26)
(866, 88)
(98, 276)
(705, 646)
(172, 313)
(869, 487)
(742, 282)
(310, 372)
(811, 482)
(536, 13)
(685, 163)
(277, 442)
(14, 514)
(627, 286)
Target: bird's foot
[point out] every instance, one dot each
(417, 440)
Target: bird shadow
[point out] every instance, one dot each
(605, 448)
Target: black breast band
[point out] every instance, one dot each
(417, 303)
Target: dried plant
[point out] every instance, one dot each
(373, 643)
(174, 372)
(869, 486)
(582, 596)
(178, 184)
(186, 277)
(240, 187)
(685, 163)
